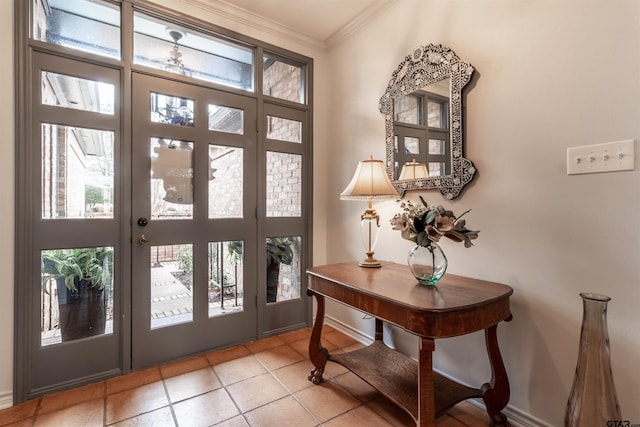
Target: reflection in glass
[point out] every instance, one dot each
(86, 25)
(423, 112)
(283, 268)
(407, 109)
(226, 182)
(437, 146)
(284, 184)
(225, 277)
(80, 94)
(437, 114)
(411, 145)
(171, 110)
(171, 179)
(169, 47)
(282, 80)
(77, 172)
(284, 129)
(436, 168)
(226, 119)
(76, 294)
(171, 285)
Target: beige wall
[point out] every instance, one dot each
(550, 75)
(7, 208)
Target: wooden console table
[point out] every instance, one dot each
(455, 306)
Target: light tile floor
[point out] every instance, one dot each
(262, 383)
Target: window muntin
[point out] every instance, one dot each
(87, 25)
(283, 80)
(77, 172)
(60, 90)
(180, 50)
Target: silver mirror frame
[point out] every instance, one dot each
(429, 64)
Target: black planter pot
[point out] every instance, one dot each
(83, 313)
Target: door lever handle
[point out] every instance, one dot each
(142, 240)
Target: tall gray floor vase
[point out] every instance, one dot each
(593, 400)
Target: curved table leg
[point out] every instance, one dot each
(317, 354)
(496, 393)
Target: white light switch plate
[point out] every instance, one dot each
(606, 157)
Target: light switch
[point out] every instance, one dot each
(606, 157)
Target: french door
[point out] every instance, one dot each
(194, 219)
(162, 210)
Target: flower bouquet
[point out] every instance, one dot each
(424, 225)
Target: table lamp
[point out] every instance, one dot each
(369, 182)
(414, 170)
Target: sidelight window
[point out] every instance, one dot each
(77, 172)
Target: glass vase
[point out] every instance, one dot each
(593, 400)
(427, 263)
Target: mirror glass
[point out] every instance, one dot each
(423, 122)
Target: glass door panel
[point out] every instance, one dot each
(226, 285)
(284, 185)
(226, 182)
(76, 172)
(193, 242)
(171, 110)
(226, 119)
(171, 285)
(283, 268)
(171, 179)
(77, 294)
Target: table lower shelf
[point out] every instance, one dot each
(396, 377)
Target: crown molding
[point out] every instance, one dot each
(356, 23)
(247, 18)
(244, 17)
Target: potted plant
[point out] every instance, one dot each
(81, 276)
(279, 251)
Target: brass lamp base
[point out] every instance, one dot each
(369, 261)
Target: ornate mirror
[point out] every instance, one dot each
(422, 108)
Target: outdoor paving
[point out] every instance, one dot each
(173, 301)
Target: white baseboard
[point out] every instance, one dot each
(516, 417)
(348, 330)
(6, 399)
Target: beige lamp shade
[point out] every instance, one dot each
(414, 170)
(369, 182)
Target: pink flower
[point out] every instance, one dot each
(402, 223)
